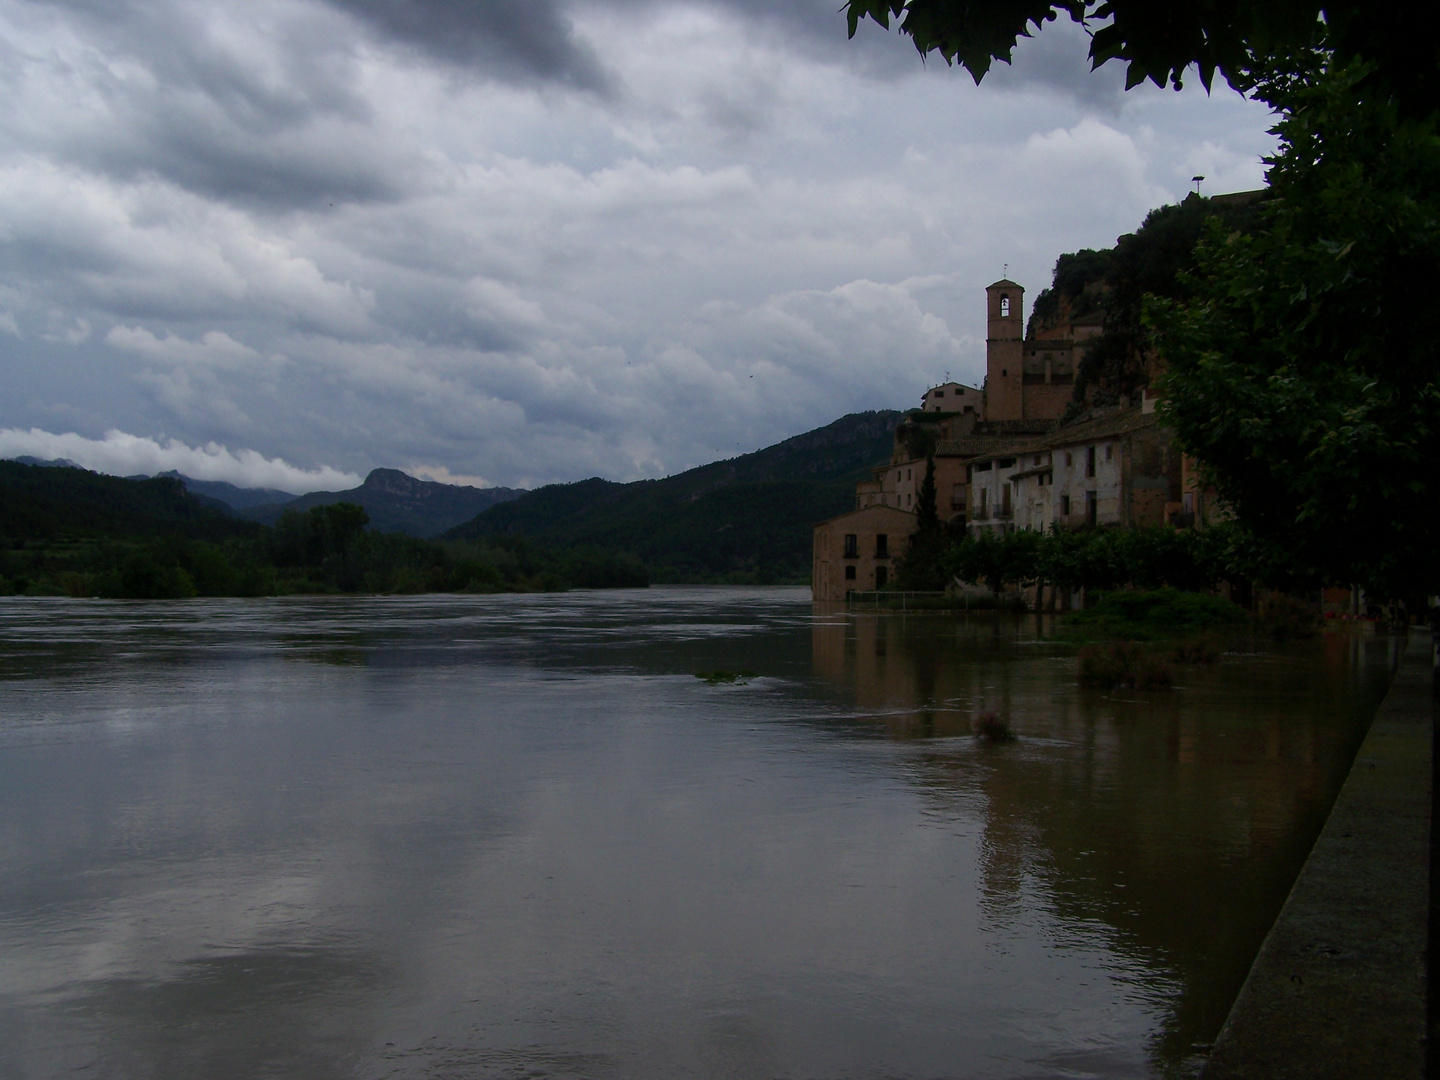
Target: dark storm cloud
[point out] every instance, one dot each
(227, 111)
(522, 41)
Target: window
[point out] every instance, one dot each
(898, 475)
(1089, 461)
(939, 393)
(983, 466)
(850, 572)
(1004, 372)
(881, 576)
(1064, 505)
(1091, 507)
(909, 499)
(1005, 500)
(1109, 451)
(852, 546)
(1037, 459)
(1068, 460)
(1004, 307)
(1187, 502)
(882, 546)
(1005, 463)
(909, 474)
(984, 499)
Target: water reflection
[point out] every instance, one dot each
(504, 836)
(1172, 823)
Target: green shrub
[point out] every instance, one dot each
(1144, 615)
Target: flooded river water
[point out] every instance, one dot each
(515, 836)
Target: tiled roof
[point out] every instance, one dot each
(1101, 427)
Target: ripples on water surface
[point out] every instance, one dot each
(515, 836)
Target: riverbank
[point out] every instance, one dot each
(1338, 989)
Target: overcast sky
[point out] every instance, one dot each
(522, 241)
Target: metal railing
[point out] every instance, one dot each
(874, 597)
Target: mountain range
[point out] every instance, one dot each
(745, 519)
(395, 501)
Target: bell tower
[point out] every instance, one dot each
(1004, 351)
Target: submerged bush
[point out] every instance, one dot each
(720, 675)
(991, 728)
(1123, 665)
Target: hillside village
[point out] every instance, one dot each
(1011, 455)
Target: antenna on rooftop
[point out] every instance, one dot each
(1196, 181)
(1005, 273)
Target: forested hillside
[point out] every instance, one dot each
(68, 532)
(1113, 283)
(45, 502)
(748, 519)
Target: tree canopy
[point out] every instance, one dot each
(1301, 362)
(1161, 41)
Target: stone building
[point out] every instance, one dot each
(855, 552)
(953, 397)
(1002, 461)
(1034, 378)
(1117, 469)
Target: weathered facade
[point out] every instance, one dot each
(953, 397)
(1002, 461)
(1117, 469)
(857, 551)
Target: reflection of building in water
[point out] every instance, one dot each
(1164, 828)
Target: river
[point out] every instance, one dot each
(516, 836)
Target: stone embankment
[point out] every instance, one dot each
(1338, 989)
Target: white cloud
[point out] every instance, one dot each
(121, 454)
(337, 242)
(215, 347)
(442, 475)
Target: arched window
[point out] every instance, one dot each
(1004, 307)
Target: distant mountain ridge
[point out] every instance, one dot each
(396, 502)
(233, 496)
(748, 518)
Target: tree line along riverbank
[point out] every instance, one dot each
(70, 532)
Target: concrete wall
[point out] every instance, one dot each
(1339, 988)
